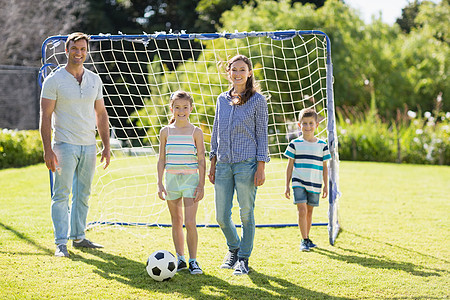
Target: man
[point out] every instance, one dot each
(73, 97)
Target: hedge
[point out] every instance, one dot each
(19, 148)
(408, 139)
(362, 137)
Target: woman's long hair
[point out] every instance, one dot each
(179, 95)
(251, 86)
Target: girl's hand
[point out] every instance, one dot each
(199, 193)
(162, 193)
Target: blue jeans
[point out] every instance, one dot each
(237, 177)
(75, 172)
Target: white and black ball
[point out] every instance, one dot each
(161, 265)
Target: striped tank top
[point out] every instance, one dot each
(181, 154)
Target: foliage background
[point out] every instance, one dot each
(20, 148)
(404, 63)
(381, 71)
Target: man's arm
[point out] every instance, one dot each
(45, 129)
(103, 130)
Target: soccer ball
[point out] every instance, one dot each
(161, 265)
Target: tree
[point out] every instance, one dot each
(210, 11)
(409, 13)
(426, 55)
(108, 16)
(26, 24)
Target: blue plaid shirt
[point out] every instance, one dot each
(240, 131)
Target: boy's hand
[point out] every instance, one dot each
(287, 192)
(325, 191)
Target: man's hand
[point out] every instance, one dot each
(51, 160)
(106, 156)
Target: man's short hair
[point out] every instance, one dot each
(307, 113)
(76, 36)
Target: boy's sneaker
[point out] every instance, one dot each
(304, 246)
(311, 244)
(230, 259)
(241, 267)
(181, 265)
(194, 268)
(61, 251)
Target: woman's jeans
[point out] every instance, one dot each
(75, 170)
(237, 177)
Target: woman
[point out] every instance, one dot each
(239, 151)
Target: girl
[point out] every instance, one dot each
(239, 151)
(182, 155)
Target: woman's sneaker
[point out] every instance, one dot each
(230, 259)
(241, 267)
(181, 265)
(194, 268)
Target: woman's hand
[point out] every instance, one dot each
(260, 176)
(212, 171)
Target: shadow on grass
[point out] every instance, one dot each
(205, 286)
(398, 247)
(27, 240)
(379, 262)
(284, 289)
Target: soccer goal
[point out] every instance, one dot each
(140, 72)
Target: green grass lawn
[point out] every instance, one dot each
(394, 245)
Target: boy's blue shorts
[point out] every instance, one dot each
(301, 195)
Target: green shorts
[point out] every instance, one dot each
(181, 185)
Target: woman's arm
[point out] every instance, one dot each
(261, 130)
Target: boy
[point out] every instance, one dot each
(307, 168)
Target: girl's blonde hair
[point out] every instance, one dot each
(251, 86)
(179, 95)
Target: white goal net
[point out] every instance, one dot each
(140, 72)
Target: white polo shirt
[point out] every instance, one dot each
(74, 115)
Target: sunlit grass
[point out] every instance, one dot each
(395, 245)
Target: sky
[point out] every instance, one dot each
(390, 9)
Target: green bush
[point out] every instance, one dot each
(19, 148)
(408, 139)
